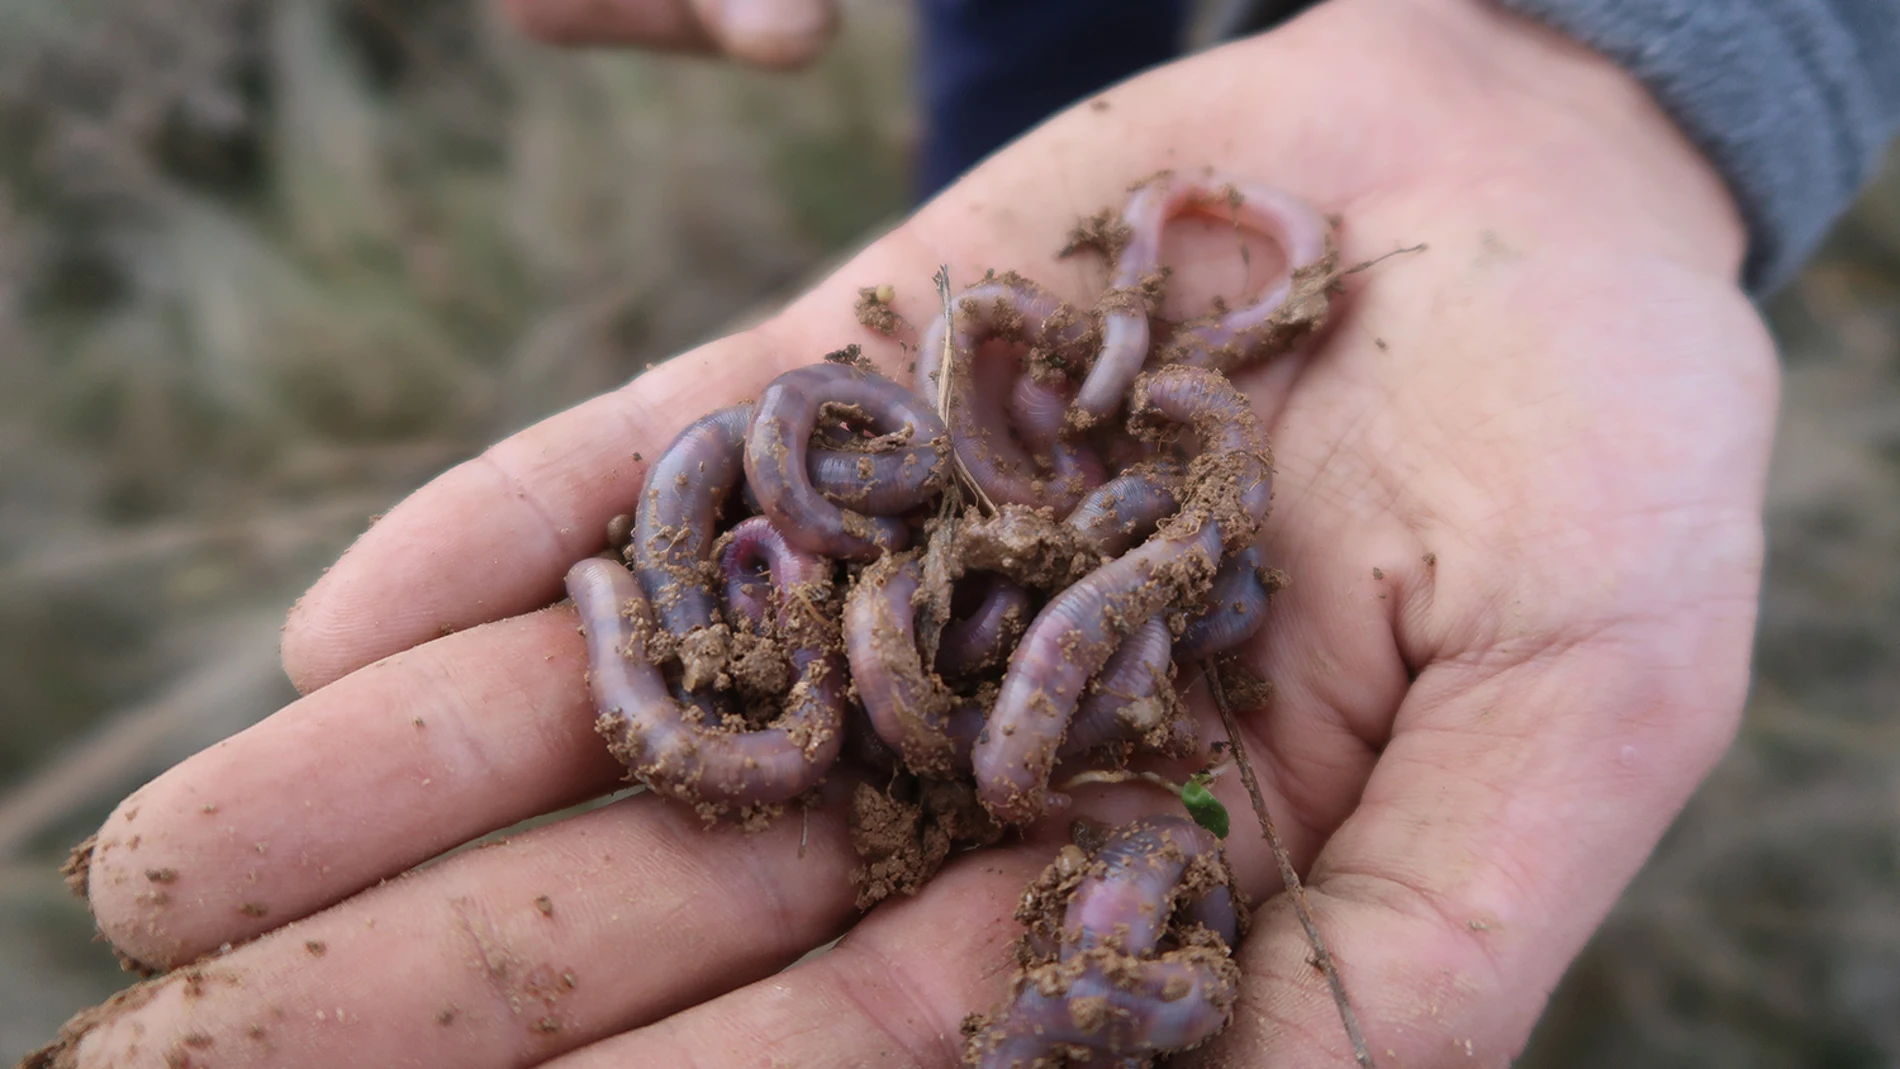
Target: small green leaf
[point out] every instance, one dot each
(1203, 806)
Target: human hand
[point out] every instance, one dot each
(763, 33)
(1519, 494)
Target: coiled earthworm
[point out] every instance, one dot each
(1067, 645)
(909, 707)
(1231, 481)
(1097, 980)
(1126, 509)
(776, 454)
(1142, 1009)
(760, 564)
(673, 525)
(1011, 310)
(1135, 885)
(1229, 488)
(1301, 232)
(984, 636)
(1131, 697)
(1236, 607)
(671, 748)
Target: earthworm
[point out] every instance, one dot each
(1301, 232)
(777, 445)
(1009, 309)
(690, 481)
(1268, 323)
(1141, 1010)
(1067, 645)
(1130, 698)
(1236, 607)
(909, 707)
(673, 526)
(671, 747)
(1229, 489)
(1126, 509)
(985, 635)
(1099, 980)
(759, 562)
(1131, 891)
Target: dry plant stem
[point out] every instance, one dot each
(942, 279)
(1361, 1053)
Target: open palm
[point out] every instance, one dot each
(1519, 497)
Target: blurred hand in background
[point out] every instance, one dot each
(764, 33)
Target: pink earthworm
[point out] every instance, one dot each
(1236, 607)
(670, 746)
(1301, 232)
(673, 527)
(984, 636)
(687, 487)
(1144, 1009)
(1126, 509)
(909, 707)
(1131, 892)
(760, 562)
(1229, 489)
(1015, 465)
(777, 453)
(1125, 702)
(1102, 980)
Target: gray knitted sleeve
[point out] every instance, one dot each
(1793, 100)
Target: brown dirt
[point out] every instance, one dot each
(874, 310)
(77, 868)
(851, 356)
(1028, 545)
(902, 843)
(1104, 233)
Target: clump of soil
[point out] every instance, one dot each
(903, 834)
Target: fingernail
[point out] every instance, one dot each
(775, 33)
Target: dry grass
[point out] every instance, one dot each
(265, 266)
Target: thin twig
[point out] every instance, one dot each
(1356, 268)
(945, 374)
(1322, 957)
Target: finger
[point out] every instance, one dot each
(765, 33)
(358, 782)
(504, 956)
(892, 993)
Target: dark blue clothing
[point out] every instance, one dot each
(991, 69)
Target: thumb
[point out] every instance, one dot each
(764, 33)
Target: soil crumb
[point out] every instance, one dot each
(76, 870)
(851, 356)
(903, 843)
(1104, 232)
(874, 309)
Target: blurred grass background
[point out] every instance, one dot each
(266, 266)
